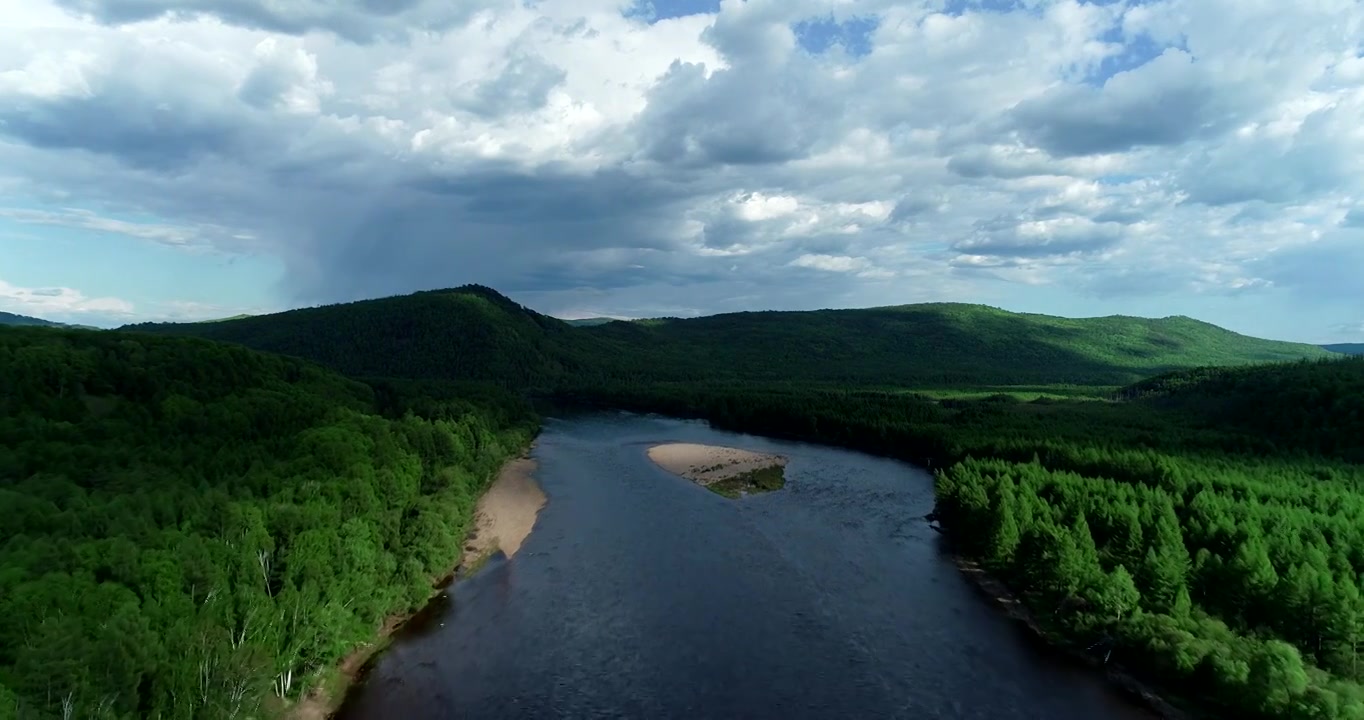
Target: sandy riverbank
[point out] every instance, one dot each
(728, 471)
(505, 514)
(503, 519)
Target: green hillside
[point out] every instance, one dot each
(937, 343)
(197, 530)
(1346, 348)
(1296, 407)
(473, 333)
(12, 319)
(589, 322)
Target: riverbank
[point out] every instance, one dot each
(725, 470)
(503, 518)
(1013, 607)
(505, 515)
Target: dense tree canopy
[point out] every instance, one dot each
(195, 530)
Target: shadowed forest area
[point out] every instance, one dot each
(198, 529)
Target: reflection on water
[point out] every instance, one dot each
(642, 595)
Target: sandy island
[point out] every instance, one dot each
(728, 471)
(503, 519)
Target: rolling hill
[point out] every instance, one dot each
(1302, 406)
(12, 319)
(589, 322)
(473, 333)
(1346, 348)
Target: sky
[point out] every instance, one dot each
(193, 159)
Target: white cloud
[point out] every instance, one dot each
(60, 303)
(860, 266)
(181, 236)
(1175, 148)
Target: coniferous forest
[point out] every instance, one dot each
(196, 529)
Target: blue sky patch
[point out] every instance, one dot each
(65, 251)
(962, 7)
(818, 35)
(653, 11)
(1136, 51)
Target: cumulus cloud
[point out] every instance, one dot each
(356, 20)
(60, 303)
(1010, 237)
(587, 155)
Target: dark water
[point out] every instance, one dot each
(642, 595)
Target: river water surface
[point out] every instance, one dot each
(643, 595)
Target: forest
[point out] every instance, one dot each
(1151, 488)
(196, 530)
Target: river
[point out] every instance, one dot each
(643, 595)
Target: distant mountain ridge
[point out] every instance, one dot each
(474, 333)
(589, 322)
(24, 320)
(1346, 348)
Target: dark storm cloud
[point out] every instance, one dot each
(502, 195)
(542, 230)
(1163, 103)
(144, 135)
(355, 20)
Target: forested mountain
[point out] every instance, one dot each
(12, 319)
(197, 530)
(940, 344)
(1346, 348)
(473, 333)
